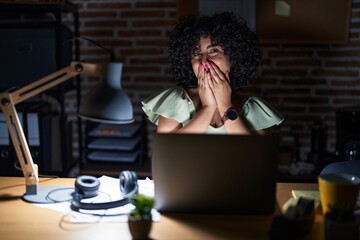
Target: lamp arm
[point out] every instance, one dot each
(7, 106)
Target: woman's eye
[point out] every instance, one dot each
(214, 51)
(196, 55)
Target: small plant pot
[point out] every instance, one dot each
(140, 228)
(341, 230)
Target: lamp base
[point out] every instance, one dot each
(54, 194)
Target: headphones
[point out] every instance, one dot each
(88, 186)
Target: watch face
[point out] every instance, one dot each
(231, 114)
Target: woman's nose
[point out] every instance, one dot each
(204, 58)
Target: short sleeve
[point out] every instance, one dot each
(258, 114)
(172, 103)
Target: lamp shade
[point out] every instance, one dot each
(107, 102)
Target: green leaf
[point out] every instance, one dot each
(143, 205)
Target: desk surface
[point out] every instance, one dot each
(21, 220)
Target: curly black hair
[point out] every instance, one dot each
(224, 29)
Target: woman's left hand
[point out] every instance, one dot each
(220, 85)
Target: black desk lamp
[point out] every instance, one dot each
(106, 102)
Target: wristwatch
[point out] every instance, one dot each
(230, 114)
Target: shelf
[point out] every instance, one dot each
(114, 169)
(11, 16)
(112, 148)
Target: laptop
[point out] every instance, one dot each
(215, 174)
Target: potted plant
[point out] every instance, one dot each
(340, 223)
(140, 219)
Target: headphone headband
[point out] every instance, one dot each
(88, 186)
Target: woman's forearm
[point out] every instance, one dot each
(198, 124)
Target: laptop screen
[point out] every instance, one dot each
(203, 173)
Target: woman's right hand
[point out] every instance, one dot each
(206, 95)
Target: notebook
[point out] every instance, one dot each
(217, 174)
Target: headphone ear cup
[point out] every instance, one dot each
(87, 186)
(128, 183)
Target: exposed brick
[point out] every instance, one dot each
(355, 5)
(156, 4)
(353, 63)
(338, 92)
(99, 32)
(294, 117)
(265, 80)
(134, 69)
(172, 14)
(299, 62)
(142, 14)
(98, 59)
(87, 14)
(355, 14)
(336, 53)
(92, 52)
(295, 125)
(103, 5)
(323, 109)
(306, 100)
(141, 51)
(290, 53)
(149, 60)
(354, 24)
(139, 33)
(273, 100)
(346, 101)
(354, 34)
(346, 83)
(285, 72)
(154, 79)
(345, 73)
(153, 23)
(247, 91)
(288, 108)
(266, 61)
(117, 23)
(294, 91)
(78, 4)
(158, 42)
(115, 42)
(354, 44)
(303, 81)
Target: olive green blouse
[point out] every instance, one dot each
(175, 103)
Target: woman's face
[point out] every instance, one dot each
(207, 52)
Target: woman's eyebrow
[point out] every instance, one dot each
(197, 48)
(213, 46)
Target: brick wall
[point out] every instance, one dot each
(309, 82)
(302, 82)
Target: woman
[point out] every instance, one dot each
(211, 58)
